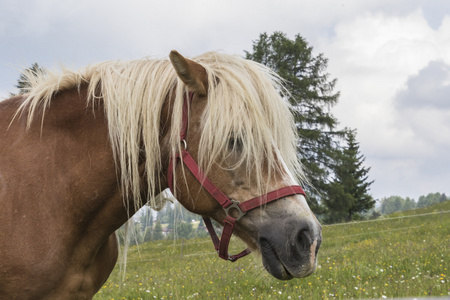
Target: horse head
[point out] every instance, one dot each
(237, 143)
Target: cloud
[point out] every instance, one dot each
(373, 56)
(430, 88)
(423, 109)
(435, 11)
(385, 65)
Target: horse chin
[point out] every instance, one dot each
(278, 266)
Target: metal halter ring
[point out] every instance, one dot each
(234, 205)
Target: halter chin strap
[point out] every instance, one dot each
(230, 206)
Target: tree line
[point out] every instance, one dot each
(172, 222)
(396, 203)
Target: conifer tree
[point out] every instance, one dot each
(349, 191)
(23, 85)
(157, 231)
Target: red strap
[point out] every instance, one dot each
(212, 189)
(183, 132)
(170, 175)
(185, 115)
(227, 231)
(225, 241)
(221, 245)
(271, 196)
(212, 232)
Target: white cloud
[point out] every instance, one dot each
(373, 56)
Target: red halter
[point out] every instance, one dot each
(221, 245)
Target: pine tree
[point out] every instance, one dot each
(349, 191)
(157, 231)
(423, 202)
(408, 204)
(23, 84)
(312, 97)
(392, 204)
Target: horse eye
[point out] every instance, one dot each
(235, 144)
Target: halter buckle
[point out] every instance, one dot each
(234, 205)
(231, 258)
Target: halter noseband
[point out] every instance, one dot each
(221, 245)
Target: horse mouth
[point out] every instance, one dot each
(285, 266)
(272, 262)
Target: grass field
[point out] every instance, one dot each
(405, 255)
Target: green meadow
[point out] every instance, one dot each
(403, 255)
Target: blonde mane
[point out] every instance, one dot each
(247, 104)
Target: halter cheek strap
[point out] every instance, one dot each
(241, 208)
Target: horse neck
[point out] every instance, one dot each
(88, 185)
(77, 136)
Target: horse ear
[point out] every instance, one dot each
(190, 72)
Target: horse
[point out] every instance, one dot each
(82, 151)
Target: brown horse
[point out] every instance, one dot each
(82, 151)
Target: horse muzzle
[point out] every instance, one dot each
(289, 249)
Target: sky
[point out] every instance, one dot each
(391, 60)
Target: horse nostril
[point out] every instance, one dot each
(304, 237)
(301, 237)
